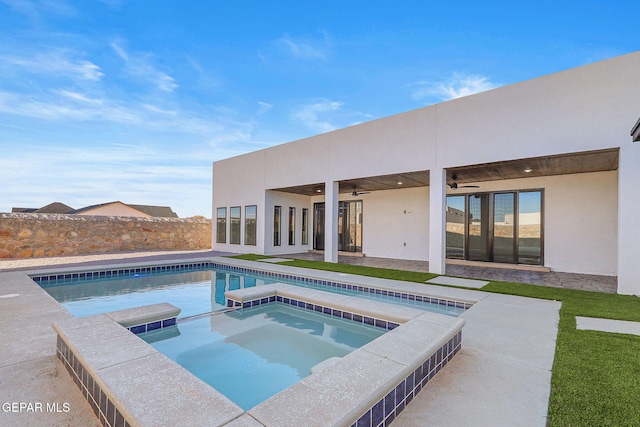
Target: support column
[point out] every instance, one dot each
(331, 221)
(628, 229)
(437, 220)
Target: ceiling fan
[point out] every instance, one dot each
(356, 193)
(454, 185)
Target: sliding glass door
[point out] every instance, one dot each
(349, 226)
(503, 227)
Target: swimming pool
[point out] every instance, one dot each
(362, 386)
(252, 354)
(199, 288)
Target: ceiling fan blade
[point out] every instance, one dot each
(357, 193)
(468, 186)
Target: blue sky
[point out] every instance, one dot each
(133, 100)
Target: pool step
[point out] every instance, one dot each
(146, 318)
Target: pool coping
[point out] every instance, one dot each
(446, 297)
(104, 359)
(529, 324)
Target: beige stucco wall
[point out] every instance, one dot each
(586, 108)
(115, 209)
(396, 223)
(38, 235)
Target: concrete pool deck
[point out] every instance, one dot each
(500, 377)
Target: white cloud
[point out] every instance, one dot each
(457, 86)
(206, 79)
(34, 9)
(159, 110)
(305, 49)
(120, 52)
(75, 96)
(263, 107)
(309, 115)
(57, 63)
(73, 106)
(139, 66)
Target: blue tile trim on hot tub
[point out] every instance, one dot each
(389, 407)
(100, 401)
(380, 323)
(152, 326)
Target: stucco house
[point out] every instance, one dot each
(124, 209)
(542, 174)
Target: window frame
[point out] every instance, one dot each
(292, 226)
(305, 226)
(224, 225)
(235, 224)
(277, 225)
(248, 233)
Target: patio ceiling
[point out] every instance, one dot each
(588, 161)
(371, 183)
(562, 164)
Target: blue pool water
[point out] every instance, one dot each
(252, 354)
(195, 292)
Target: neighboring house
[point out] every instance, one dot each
(122, 209)
(106, 209)
(55, 207)
(542, 173)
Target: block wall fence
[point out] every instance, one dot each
(38, 235)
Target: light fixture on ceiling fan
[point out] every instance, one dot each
(357, 193)
(454, 185)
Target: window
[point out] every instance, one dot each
(292, 226)
(305, 221)
(250, 217)
(221, 225)
(277, 216)
(235, 225)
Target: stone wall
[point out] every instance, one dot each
(37, 235)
